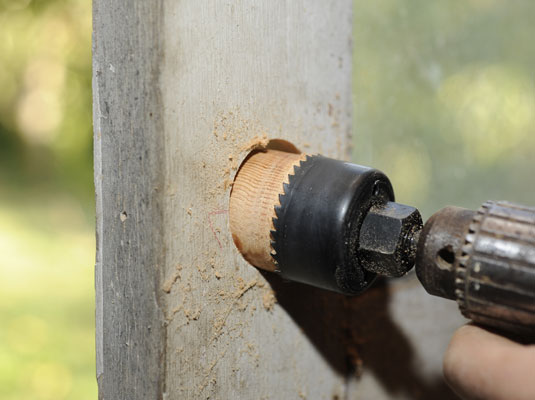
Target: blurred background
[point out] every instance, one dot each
(444, 99)
(47, 240)
(444, 104)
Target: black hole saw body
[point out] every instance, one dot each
(338, 227)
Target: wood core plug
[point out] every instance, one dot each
(255, 194)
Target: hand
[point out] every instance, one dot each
(480, 365)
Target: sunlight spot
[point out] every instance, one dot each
(27, 334)
(493, 107)
(51, 381)
(409, 170)
(16, 5)
(44, 73)
(39, 114)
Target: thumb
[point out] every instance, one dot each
(480, 365)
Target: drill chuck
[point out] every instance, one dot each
(484, 260)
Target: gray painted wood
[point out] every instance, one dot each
(127, 150)
(233, 72)
(182, 91)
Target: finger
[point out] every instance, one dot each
(481, 365)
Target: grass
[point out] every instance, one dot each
(47, 346)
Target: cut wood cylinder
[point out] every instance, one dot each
(255, 193)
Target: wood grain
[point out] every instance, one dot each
(128, 142)
(255, 194)
(236, 74)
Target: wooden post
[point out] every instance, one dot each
(129, 164)
(182, 91)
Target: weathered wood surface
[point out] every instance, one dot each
(182, 90)
(233, 72)
(128, 146)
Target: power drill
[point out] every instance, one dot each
(336, 225)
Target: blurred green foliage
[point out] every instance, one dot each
(46, 201)
(444, 99)
(45, 98)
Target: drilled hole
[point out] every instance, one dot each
(255, 195)
(446, 257)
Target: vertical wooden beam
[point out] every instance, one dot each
(182, 91)
(128, 142)
(233, 72)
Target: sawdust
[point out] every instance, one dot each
(192, 315)
(258, 142)
(211, 261)
(218, 305)
(169, 282)
(221, 321)
(208, 371)
(251, 351)
(202, 272)
(242, 306)
(244, 287)
(229, 126)
(269, 299)
(173, 313)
